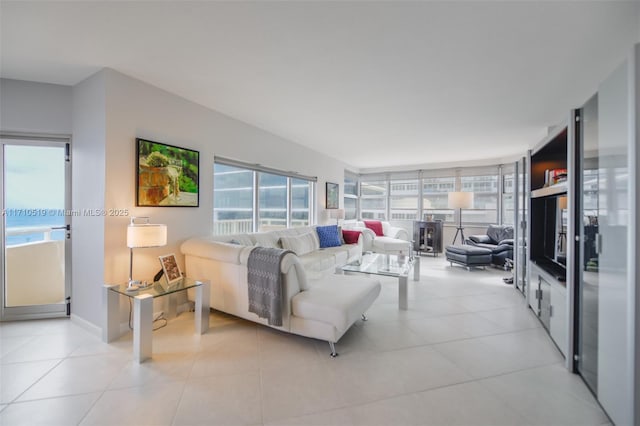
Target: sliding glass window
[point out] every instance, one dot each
(403, 199)
(373, 199)
(485, 198)
(508, 198)
(250, 199)
(272, 196)
(233, 196)
(301, 191)
(435, 198)
(350, 196)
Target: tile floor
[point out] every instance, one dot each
(467, 352)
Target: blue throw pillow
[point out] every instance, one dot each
(328, 236)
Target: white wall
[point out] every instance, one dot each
(88, 185)
(137, 109)
(30, 107)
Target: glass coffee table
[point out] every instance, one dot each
(143, 310)
(388, 265)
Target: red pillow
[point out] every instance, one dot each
(375, 226)
(350, 237)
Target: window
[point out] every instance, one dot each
(508, 188)
(232, 199)
(248, 198)
(403, 199)
(373, 199)
(272, 197)
(424, 195)
(485, 198)
(435, 197)
(301, 191)
(350, 196)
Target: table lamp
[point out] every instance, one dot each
(142, 234)
(336, 214)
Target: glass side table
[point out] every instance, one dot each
(143, 311)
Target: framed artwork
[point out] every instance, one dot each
(170, 268)
(333, 195)
(166, 175)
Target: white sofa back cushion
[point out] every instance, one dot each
(300, 244)
(267, 239)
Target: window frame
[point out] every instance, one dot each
(257, 171)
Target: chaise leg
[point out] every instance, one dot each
(333, 350)
(364, 317)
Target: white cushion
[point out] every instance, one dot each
(300, 244)
(207, 248)
(317, 261)
(386, 227)
(337, 300)
(340, 254)
(388, 244)
(267, 239)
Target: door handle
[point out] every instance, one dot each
(598, 243)
(65, 227)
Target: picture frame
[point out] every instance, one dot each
(166, 175)
(170, 268)
(332, 196)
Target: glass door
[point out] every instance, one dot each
(588, 261)
(36, 208)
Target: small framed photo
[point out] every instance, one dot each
(170, 268)
(333, 195)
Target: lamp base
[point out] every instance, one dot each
(459, 230)
(136, 283)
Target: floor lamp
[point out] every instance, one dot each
(460, 200)
(142, 234)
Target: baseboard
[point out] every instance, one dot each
(88, 326)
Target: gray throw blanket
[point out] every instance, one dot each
(265, 283)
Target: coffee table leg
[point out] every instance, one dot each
(416, 269)
(402, 292)
(142, 327)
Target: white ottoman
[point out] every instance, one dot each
(331, 305)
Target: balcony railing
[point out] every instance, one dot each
(46, 232)
(35, 272)
(243, 226)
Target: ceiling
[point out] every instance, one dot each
(375, 84)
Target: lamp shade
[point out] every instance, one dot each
(460, 200)
(562, 203)
(146, 235)
(336, 213)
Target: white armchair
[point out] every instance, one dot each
(394, 240)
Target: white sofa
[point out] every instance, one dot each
(394, 240)
(317, 302)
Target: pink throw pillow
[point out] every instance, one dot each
(375, 226)
(350, 237)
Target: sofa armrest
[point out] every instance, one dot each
(399, 233)
(366, 237)
(506, 242)
(480, 239)
(214, 250)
